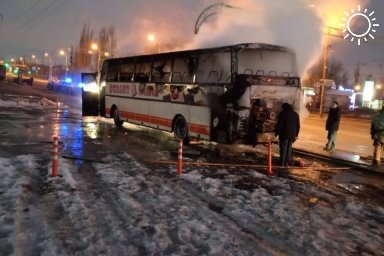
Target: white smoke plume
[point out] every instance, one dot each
(297, 24)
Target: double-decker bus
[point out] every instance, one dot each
(229, 94)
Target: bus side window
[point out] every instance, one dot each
(126, 77)
(213, 76)
(113, 71)
(161, 70)
(187, 77)
(141, 77)
(176, 77)
(142, 72)
(126, 71)
(180, 66)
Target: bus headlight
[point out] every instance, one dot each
(91, 87)
(215, 122)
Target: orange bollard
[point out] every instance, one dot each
(180, 157)
(269, 158)
(55, 155)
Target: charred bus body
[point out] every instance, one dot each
(229, 94)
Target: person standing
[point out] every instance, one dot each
(287, 129)
(332, 125)
(377, 135)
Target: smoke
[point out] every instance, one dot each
(292, 24)
(297, 24)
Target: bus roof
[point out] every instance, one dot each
(261, 46)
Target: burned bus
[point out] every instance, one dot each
(230, 94)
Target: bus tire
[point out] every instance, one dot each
(116, 118)
(180, 128)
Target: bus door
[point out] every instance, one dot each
(90, 94)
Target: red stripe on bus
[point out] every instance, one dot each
(194, 128)
(162, 121)
(200, 129)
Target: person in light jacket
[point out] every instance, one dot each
(287, 129)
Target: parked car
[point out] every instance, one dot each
(64, 86)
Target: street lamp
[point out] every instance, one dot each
(95, 47)
(45, 55)
(50, 65)
(64, 53)
(152, 38)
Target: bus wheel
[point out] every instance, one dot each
(180, 128)
(116, 118)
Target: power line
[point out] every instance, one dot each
(39, 17)
(17, 15)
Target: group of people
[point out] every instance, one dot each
(288, 128)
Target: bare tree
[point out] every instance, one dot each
(106, 42)
(81, 57)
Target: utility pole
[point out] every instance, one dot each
(328, 31)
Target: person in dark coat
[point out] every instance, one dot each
(287, 128)
(377, 135)
(332, 125)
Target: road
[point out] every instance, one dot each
(110, 200)
(353, 135)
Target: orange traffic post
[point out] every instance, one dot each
(180, 157)
(55, 155)
(57, 107)
(269, 158)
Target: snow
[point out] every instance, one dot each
(120, 206)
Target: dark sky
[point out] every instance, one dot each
(37, 26)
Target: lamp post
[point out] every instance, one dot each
(45, 55)
(208, 12)
(64, 53)
(50, 66)
(328, 31)
(95, 47)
